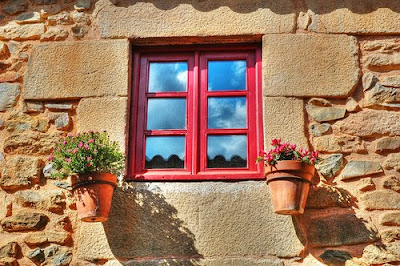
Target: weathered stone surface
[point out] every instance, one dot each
(14, 31)
(369, 123)
(63, 185)
(62, 121)
(366, 184)
(50, 200)
(369, 80)
(9, 250)
(19, 122)
(204, 211)
(392, 182)
(292, 62)
(392, 162)
(381, 200)
(382, 96)
(319, 102)
(36, 255)
(39, 238)
(8, 261)
(332, 144)
(224, 18)
(10, 77)
(15, 6)
(32, 107)
(44, 2)
(8, 95)
(330, 166)
(32, 143)
(24, 222)
(55, 34)
(79, 31)
(57, 255)
(360, 168)
(321, 197)
(390, 218)
(338, 230)
(30, 17)
(377, 61)
(380, 254)
(382, 46)
(352, 16)
(323, 114)
(112, 118)
(318, 130)
(390, 81)
(65, 77)
(62, 18)
(59, 106)
(386, 144)
(81, 17)
(82, 5)
(282, 119)
(335, 257)
(20, 172)
(3, 49)
(390, 235)
(352, 105)
(1, 123)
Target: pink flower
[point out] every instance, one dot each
(51, 157)
(80, 145)
(64, 142)
(86, 147)
(59, 149)
(91, 141)
(68, 160)
(89, 164)
(293, 146)
(91, 131)
(74, 150)
(89, 158)
(95, 150)
(275, 142)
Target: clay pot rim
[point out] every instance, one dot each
(289, 169)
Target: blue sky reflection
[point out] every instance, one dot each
(166, 113)
(227, 75)
(168, 76)
(165, 146)
(227, 146)
(227, 112)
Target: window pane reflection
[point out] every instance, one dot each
(168, 76)
(227, 112)
(227, 75)
(166, 113)
(227, 151)
(165, 152)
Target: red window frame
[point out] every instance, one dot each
(196, 113)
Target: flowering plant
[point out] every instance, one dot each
(85, 153)
(287, 151)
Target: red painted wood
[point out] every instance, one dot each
(196, 132)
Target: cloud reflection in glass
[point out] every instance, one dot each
(168, 76)
(227, 75)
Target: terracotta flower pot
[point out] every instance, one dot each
(93, 193)
(289, 183)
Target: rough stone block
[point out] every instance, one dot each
(338, 230)
(209, 218)
(14, 31)
(392, 161)
(20, 172)
(330, 166)
(112, 117)
(310, 65)
(332, 143)
(98, 68)
(321, 197)
(24, 221)
(390, 218)
(382, 254)
(369, 123)
(8, 95)
(32, 143)
(360, 168)
(324, 114)
(194, 18)
(51, 200)
(381, 200)
(284, 118)
(354, 17)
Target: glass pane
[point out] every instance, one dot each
(165, 152)
(227, 112)
(168, 76)
(166, 113)
(227, 151)
(227, 75)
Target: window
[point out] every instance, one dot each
(196, 114)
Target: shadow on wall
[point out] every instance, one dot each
(278, 7)
(148, 227)
(330, 229)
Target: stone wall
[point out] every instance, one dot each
(330, 81)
